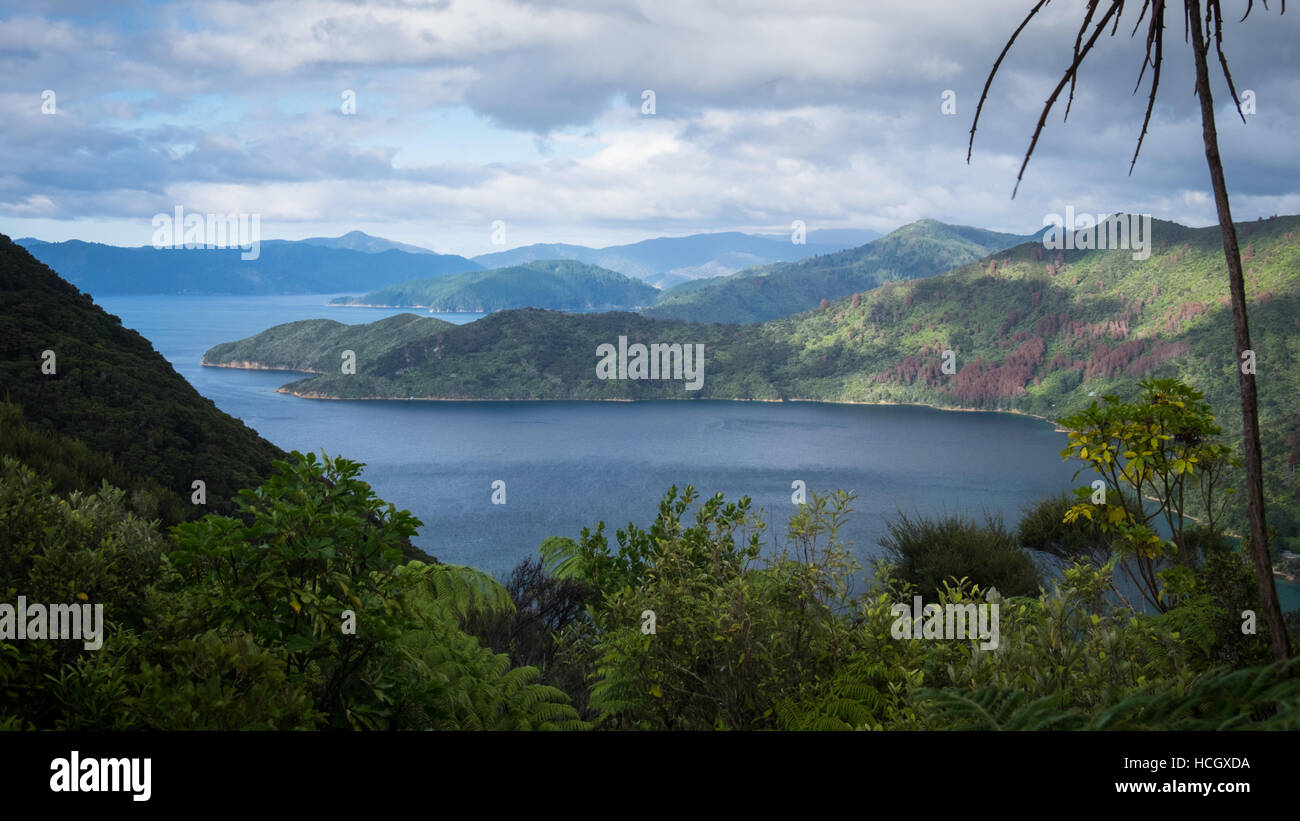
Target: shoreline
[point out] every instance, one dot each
(952, 409)
(256, 366)
(248, 365)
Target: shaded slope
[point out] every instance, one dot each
(115, 394)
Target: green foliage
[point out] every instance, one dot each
(241, 625)
(545, 608)
(1163, 449)
(723, 539)
(928, 552)
(1043, 527)
(208, 637)
(732, 640)
(221, 682)
(448, 681)
(313, 548)
(82, 548)
(1255, 698)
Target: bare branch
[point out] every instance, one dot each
(1047, 107)
(1223, 60)
(1156, 33)
(1078, 38)
(989, 82)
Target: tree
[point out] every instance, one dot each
(1161, 449)
(1111, 11)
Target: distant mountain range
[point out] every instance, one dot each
(666, 261)
(561, 285)
(358, 262)
(282, 267)
(754, 294)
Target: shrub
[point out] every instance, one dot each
(929, 551)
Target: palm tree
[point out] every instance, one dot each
(1153, 12)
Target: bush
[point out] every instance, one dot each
(929, 551)
(1043, 528)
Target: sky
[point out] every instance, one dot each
(534, 114)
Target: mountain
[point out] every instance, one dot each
(1033, 330)
(282, 267)
(757, 294)
(112, 407)
(667, 261)
(561, 285)
(361, 241)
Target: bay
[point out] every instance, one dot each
(568, 465)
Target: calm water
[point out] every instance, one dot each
(567, 465)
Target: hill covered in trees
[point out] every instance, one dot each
(921, 249)
(104, 400)
(560, 285)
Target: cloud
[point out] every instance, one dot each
(766, 112)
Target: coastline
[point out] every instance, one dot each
(257, 366)
(950, 408)
(247, 365)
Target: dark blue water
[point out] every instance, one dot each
(567, 465)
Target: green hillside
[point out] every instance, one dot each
(561, 285)
(113, 408)
(317, 345)
(1041, 331)
(921, 249)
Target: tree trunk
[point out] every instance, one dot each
(1258, 538)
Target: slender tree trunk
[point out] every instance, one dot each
(1249, 406)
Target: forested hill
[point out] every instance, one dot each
(1043, 331)
(111, 407)
(921, 249)
(1030, 329)
(317, 345)
(561, 285)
